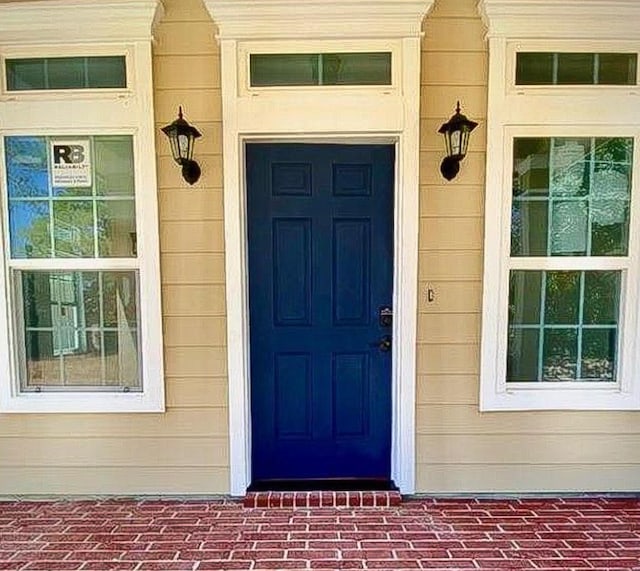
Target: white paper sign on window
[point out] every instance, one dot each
(70, 163)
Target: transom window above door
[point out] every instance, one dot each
(307, 69)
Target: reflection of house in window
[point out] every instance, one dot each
(64, 314)
(81, 329)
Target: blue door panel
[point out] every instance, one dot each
(320, 227)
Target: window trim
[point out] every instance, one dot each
(130, 113)
(543, 111)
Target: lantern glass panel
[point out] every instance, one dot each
(184, 146)
(175, 151)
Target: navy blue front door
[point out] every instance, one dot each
(320, 227)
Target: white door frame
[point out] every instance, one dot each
(352, 115)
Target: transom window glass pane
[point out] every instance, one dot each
(96, 72)
(549, 68)
(571, 196)
(71, 197)
(563, 325)
(80, 330)
(352, 68)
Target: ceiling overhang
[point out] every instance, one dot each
(318, 19)
(77, 21)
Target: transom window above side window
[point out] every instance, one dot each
(315, 69)
(93, 72)
(576, 68)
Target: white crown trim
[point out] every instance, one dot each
(562, 19)
(271, 19)
(77, 21)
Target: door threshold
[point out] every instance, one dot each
(324, 485)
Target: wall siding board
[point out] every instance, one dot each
(185, 450)
(503, 479)
(460, 449)
(116, 480)
(174, 423)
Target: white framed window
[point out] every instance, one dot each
(346, 65)
(80, 318)
(560, 298)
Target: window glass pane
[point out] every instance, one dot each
(531, 167)
(73, 226)
(560, 354)
(571, 196)
(27, 166)
(601, 298)
(71, 197)
(29, 229)
(114, 166)
(617, 69)
(562, 299)
(569, 228)
(106, 72)
(356, 69)
(575, 69)
(283, 69)
(524, 297)
(563, 325)
(65, 73)
(529, 228)
(25, 74)
(116, 229)
(599, 354)
(80, 330)
(522, 358)
(534, 68)
(557, 68)
(95, 72)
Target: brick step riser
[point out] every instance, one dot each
(352, 499)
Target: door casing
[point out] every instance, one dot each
(384, 115)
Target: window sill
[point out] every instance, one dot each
(82, 403)
(559, 398)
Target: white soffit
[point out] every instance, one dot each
(562, 19)
(313, 19)
(77, 21)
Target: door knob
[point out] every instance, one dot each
(383, 344)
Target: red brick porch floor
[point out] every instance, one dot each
(582, 534)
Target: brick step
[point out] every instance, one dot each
(352, 499)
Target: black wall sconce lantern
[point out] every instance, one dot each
(182, 137)
(456, 137)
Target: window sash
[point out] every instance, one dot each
(495, 392)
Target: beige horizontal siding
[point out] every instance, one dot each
(176, 422)
(192, 268)
(523, 478)
(460, 449)
(185, 450)
(138, 452)
(194, 331)
(456, 419)
(117, 480)
(467, 202)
